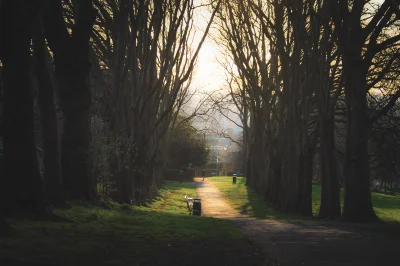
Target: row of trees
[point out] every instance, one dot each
(107, 80)
(295, 69)
(385, 151)
(186, 146)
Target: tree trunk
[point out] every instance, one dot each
(21, 184)
(72, 68)
(330, 195)
(357, 201)
(385, 187)
(306, 165)
(51, 158)
(75, 140)
(127, 185)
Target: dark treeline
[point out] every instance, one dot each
(303, 73)
(89, 92)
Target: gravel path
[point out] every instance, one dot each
(291, 243)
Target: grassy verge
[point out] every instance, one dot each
(387, 207)
(161, 234)
(247, 202)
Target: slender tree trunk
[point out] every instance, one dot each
(306, 165)
(3, 197)
(1, 124)
(276, 188)
(117, 193)
(330, 195)
(51, 158)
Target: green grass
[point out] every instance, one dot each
(387, 207)
(118, 234)
(247, 202)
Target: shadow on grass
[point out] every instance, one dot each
(114, 236)
(111, 234)
(246, 201)
(261, 208)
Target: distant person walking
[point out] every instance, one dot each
(204, 174)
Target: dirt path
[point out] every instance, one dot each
(304, 242)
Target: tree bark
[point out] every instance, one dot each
(306, 166)
(357, 203)
(72, 68)
(21, 184)
(75, 140)
(330, 196)
(51, 158)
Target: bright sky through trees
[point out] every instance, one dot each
(209, 75)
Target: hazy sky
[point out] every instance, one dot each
(209, 75)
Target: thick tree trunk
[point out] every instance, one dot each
(21, 185)
(51, 158)
(357, 201)
(75, 140)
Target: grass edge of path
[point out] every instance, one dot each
(120, 235)
(246, 201)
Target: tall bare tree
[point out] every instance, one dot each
(51, 153)
(72, 68)
(366, 31)
(147, 50)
